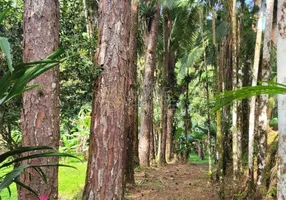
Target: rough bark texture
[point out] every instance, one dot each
(40, 114)
(147, 89)
(263, 99)
(106, 163)
(253, 99)
(281, 78)
(132, 127)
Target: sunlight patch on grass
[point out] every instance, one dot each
(71, 182)
(195, 159)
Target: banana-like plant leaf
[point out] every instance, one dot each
(5, 46)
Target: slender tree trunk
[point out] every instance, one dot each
(169, 143)
(171, 106)
(226, 68)
(107, 151)
(281, 78)
(253, 99)
(239, 85)
(219, 135)
(40, 114)
(187, 122)
(208, 113)
(263, 99)
(167, 26)
(88, 28)
(132, 127)
(234, 85)
(147, 89)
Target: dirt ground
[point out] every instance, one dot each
(172, 182)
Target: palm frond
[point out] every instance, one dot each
(226, 98)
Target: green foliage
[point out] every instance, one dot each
(75, 141)
(77, 72)
(14, 83)
(226, 98)
(71, 182)
(8, 159)
(5, 46)
(272, 191)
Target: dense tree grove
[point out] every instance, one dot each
(145, 84)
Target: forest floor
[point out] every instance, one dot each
(172, 182)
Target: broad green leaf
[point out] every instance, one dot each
(5, 46)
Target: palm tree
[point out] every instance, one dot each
(146, 116)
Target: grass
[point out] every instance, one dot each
(194, 158)
(71, 182)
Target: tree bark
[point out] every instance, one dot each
(219, 134)
(263, 99)
(281, 78)
(169, 142)
(167, 27)
(40, 114)
(132, 126)
(147, 89)
(253, 99)
(107, 151)
(235, 130)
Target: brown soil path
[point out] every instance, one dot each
(172, 182)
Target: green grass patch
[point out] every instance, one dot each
(71, 182)
(195, 159)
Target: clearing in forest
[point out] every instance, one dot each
(172, 182)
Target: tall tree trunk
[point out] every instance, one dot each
(187, 122)
(132, 126)
(208, 112)
(253, 99)
(40, 114)
(106, 163)
(162, 150)
(263, 99)
(235, 144)
(225, 55)
(167, 27)
(147, 88)
(281, 78)
(171, 107)
(219, 135)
